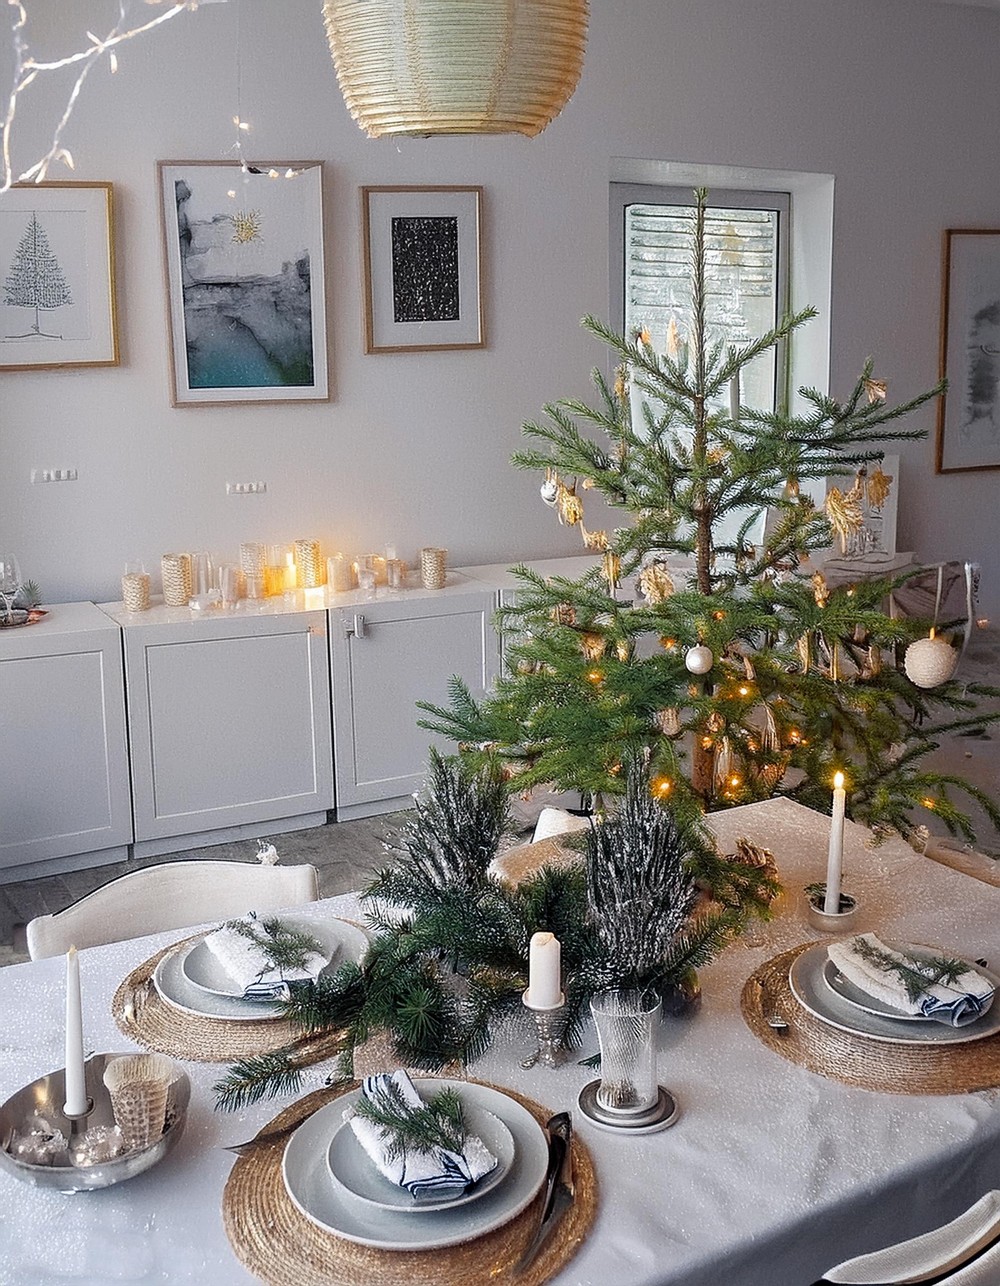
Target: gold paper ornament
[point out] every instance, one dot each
(878, 487)
(821, 592)
(843, 509)
(593, 539)
(673, 338)
(623, 650)
(792, 489)
(592, 645)
(875, 390)
(655, 582)
(611, 569)
(669, 721)
(563, 614)
(569, 505)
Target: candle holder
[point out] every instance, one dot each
(549, 1024)
(840, 921)
(48, 1149)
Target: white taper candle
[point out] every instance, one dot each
(544, 972)
(76, 1089)
(835, 857)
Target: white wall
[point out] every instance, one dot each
(898, 100)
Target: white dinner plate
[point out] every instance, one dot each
(352, 1168)
(313, 1191)
(811, 990)
(338, 941)
(846, 989)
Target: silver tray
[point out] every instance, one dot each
(810, 989)
(45, 1098)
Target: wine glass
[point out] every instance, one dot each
(10, 583)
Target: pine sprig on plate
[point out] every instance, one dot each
(284, 947)
(917, 977)
(438, 1123)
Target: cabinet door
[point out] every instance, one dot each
(229, 722)
(64, 781)
(387, 656)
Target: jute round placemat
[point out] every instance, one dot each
(283, 1248)
(865, 1064)
(145, 1017)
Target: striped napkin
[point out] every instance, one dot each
(876, 969)
(249, 967)
(422, 1174)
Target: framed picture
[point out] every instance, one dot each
(968, 429)
(422, 268)
(57, 276)
(243, 249)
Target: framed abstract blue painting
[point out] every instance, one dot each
(243, 249)
(422, 268)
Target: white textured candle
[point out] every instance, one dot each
(835, 857)
(544, 972)
(76, 1090)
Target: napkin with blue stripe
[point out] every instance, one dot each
(423, 1174)
(250, 967)
(884, 973)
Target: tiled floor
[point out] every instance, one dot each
(347, 853)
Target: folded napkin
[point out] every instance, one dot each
(423, 1174)
(250, 967)
(910, 984)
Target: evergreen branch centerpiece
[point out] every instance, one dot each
(740, 672)
(648, 902)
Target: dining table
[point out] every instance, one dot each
(776, 1168)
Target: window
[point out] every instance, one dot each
(746, 273)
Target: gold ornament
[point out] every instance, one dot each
(611, 569)
(623, 650)
(669, 721)
(655, 583)
(593, 539)
(874, 660)
(875, 390)
(588, 483)
(792, 489)
(723, 766)
(569, 505)
(821, 591)
(878, 488)
(563, 614)
(246, 226)
(804, 646)
(593, 645)
(843, 509)
(673, 338)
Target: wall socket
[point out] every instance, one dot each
(245, 488)
(53, 475)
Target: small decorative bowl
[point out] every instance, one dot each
(43, 1100)
(841, 921)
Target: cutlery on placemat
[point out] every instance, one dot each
(559, 1190)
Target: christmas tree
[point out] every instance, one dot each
(743, 674)
(35, 279)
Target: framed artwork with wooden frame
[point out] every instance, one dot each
(57, 276)
(246, 299)
(968, 427)
(422, 268)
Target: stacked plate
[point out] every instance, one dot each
(821, 989)
(193, 981)
(334, 1183)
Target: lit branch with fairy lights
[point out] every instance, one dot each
(27, 70)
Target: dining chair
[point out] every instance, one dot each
(171, 895)
(965, 1252)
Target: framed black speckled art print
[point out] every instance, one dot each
(422, 268)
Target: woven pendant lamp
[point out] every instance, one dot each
(456, 66)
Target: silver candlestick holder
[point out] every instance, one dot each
(549, 1024)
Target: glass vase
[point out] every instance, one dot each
(626, 1022)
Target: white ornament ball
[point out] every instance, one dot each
(699, 659)
(549, 490)
(929, 662)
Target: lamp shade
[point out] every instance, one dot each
(456, 66)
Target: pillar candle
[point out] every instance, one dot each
(76, 1090)
(835, 857)
(734, 397)
(544, 972)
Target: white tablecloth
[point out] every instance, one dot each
(771, 1175)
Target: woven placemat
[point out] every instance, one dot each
(865, 1064)
(283, 1248)
(143, 1016)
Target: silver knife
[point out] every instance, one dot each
(559, 1190)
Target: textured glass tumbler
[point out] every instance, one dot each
(626, 1023)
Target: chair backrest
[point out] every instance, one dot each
(173, 895)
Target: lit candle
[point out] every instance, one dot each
(77, 1102)
(835, 858)
(544, 972)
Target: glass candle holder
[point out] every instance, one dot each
(395, 573)
(135, 588)
(175, 570)
(310, 570)
(626, 1022)
(433, 567)
(340, 574)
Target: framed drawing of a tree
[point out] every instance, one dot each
(57, 277)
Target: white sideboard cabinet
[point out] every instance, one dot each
(64, 782)
(229, 723)
(386, 655)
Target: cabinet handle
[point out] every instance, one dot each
(357, 630)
